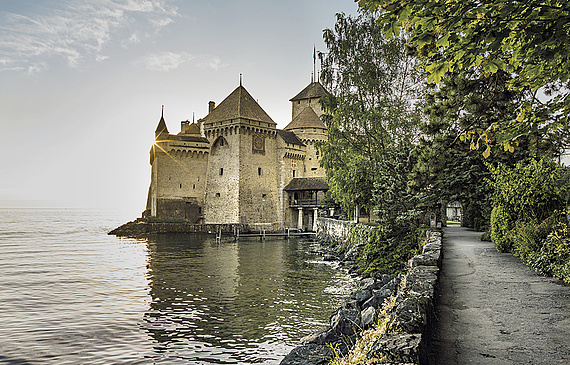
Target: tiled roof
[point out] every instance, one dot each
(306, 119)
(239, 104)
(307, 183)
(290, 137)
(313, 90)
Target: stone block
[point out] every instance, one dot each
(430, 258)
(398, 348)
(368, 317)
(411, 314)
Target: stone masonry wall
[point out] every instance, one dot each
(406, 304)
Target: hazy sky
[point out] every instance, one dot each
(82, 83)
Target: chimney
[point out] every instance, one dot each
(211, 106)
(184, 126)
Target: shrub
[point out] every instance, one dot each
(556, 251)
(500, 227)
(389, 250)
(528, 237)
(525, 195)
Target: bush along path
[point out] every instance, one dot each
(386, 320)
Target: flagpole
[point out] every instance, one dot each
(314, 61)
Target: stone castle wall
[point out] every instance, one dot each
(221, 204)
(258, 179)
(299, 105)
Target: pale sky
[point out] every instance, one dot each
(82, 83)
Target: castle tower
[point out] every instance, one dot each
(303, 186)
(178, 166)
(241, 176)
(309, 96)
(307, 125)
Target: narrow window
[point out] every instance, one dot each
(304, 168)
(193, 186)
(180, 186)
(259, 171)
(221, 170)
(293, 173)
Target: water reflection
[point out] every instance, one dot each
(234, 302)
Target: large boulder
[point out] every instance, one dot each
(309, 354)
(346, 321)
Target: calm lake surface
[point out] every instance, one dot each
(71, 294)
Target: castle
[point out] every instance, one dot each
(235, 166)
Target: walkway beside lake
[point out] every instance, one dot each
(493, 309)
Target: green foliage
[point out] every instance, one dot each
(500, 226)
(446, 168)
(532, 189)
(373, 105)
(525, 195)
(528, 39)
(393, 201)
(528, 237)
(389, 249)
(553, 257)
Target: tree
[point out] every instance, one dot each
(374, 105)
(528, 39)
(446, 169)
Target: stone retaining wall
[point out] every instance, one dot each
(407, 303)
(333, 230)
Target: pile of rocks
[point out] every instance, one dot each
(410, 315)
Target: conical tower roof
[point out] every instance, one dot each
(313, 90)
(306, 119)
(239, 104)
(161, 128)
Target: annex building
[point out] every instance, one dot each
(235, 166)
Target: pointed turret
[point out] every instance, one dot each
(161, 129)
(305, 120)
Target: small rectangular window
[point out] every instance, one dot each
(293, 173)
(259, 171)
(180, 186)
(217, 195)
(221, 170)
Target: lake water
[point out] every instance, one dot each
(71, 294)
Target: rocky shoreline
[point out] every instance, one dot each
(404, 303)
